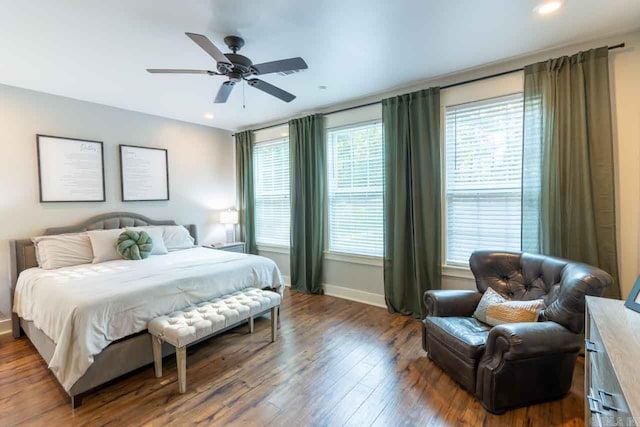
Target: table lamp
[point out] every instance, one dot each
(229, 218)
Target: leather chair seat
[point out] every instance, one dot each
(464, 335)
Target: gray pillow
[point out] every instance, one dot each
(156, 234)
(177, 237)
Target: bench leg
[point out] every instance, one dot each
(181, 361)
(251, 325)
(157, 355)
(274, 323)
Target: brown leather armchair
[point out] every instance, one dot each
(516, 364)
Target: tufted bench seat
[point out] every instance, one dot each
(200, 321)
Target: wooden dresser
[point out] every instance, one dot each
(612, 364)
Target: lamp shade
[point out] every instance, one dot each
(229, 217)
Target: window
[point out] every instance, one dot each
(483, 177)
(355, 189)
(271, 175)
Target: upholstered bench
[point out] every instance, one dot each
(198, 322)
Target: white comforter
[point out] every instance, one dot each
(86, 307)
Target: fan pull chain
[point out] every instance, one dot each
(243, 86)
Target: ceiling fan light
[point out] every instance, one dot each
(548, 7)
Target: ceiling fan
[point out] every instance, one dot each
(238, 67)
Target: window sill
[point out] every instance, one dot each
(331, 256)
(354, 259)
(457, 271)
(274, 249)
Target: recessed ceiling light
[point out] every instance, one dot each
(322, 87)
(208, 116)
(548, 7)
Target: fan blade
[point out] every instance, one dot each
(224, 92)
(210, 48)
(271, 90)
(282, 65)
(174, 71)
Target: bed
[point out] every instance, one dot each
(88, 322)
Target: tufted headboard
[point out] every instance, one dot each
(23, 253)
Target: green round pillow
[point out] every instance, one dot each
(134, 245)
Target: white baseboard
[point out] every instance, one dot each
(5, 326)
(356, 295)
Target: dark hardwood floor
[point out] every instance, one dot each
(335, 363)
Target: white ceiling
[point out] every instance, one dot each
(98, 50)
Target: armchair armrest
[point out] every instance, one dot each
(540, 354)
(526, 340)
(449, 303)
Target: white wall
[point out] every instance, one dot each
(625, 76)
(201, 167)
(364, 281)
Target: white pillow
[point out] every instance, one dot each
(103, 243)
(493, 309)
(156, 236)
(177, 237)
(62, 250)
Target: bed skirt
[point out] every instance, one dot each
(117, 359)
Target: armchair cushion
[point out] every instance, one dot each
(447, 303)
(464, 335)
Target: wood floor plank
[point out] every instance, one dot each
(335, 363)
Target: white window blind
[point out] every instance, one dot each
(483, 177)
(355, 185)
(272, 195)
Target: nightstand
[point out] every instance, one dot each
(229, 247)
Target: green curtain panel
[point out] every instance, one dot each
(412, 199)
(245, 190)
(568, 176)
(308, 174)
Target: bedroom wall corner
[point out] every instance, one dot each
(201, 168)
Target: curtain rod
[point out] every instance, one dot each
(368, 104)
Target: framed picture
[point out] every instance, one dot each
(633, 300)
(144, 174)
(70, 170)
